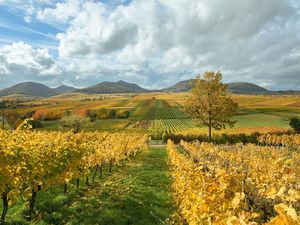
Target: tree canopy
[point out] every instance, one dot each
(210, 103)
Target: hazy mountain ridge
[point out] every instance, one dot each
(29, 89)
(34, 89)
(235, 87)
(113, 87)
(64, 89)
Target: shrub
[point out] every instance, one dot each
(73, 122)
(101, 114)
(35, 123)
(295, 124)
(93, 116)
(217, 139)
(111, 113)
(106, 113)
(122, 114)
(45, 114)
(83, 112)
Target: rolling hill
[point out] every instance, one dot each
(113, 87)
(64, 89)
(246, 88)
(29, 89)
(236, 87)
(181, 86)
(32, 89)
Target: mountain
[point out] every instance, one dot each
(113, 87)
(29, 89)
(181, 86)
(32, 89)
(237, 87)
(246, 88)
(64, 89)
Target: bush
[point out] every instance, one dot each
(295, 124)
(106, 113)
(73, 122)
(35, 123)
(45, 114)
(217, 139)
(101, 114)
(121, 114)
(111, 113)
(93, 116)
(83, 112)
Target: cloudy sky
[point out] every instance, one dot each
(153, 43)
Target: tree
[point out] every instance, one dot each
(210, 103)
(74, 122)
(295, 124)
(111, 113)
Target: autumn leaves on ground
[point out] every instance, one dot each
(135, 192)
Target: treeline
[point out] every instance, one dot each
(14, 119)
(254, 138)
(217, 139)
(103, 113)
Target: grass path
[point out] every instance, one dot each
(137, 193)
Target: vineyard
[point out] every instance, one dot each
(235, 184)
(157, 109)
(169, 126)
(56, 177)
(32, 161)
(162, 117)
(292, 141)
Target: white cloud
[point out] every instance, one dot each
(20, 62)
(61, 12)
(169, 40)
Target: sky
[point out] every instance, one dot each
(154, 43)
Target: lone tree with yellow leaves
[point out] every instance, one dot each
(210, 103)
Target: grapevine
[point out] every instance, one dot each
(235, 184)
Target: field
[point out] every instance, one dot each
(183, 184)
(119, 177)
(162, 112)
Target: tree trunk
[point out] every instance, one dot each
(95, 172)
(77, 183)
(5, 207)
(110, 165)
(87, 181)
(101, 170)
(33, 200)
(209, 129)
(65, 188)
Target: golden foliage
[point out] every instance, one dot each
(287, 140)
(29, 159)
(235, 184)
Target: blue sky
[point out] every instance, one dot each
(154, 43)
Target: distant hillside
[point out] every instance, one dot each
(237, 87)
(29, 89)
(181, 86)
(64, 89)
(113, 87)
(32, 89)
(246, 88)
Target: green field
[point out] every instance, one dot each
(162, 113)
(261, 120)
